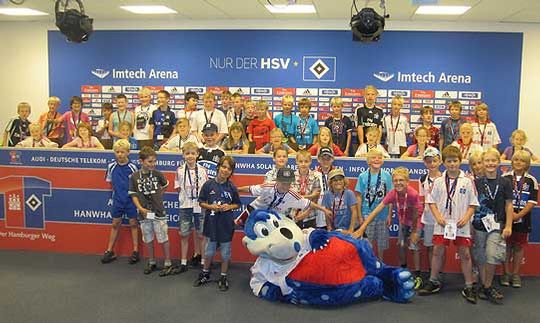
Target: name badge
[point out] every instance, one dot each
(159, 137)
(489, 222)
(196, 208)
(450, 231)
(150, 216)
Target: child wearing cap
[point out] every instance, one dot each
(281, 158)
(308, 184)
(210, 152)
(342, 202)
(278, 196)
(371, 187)
(326, 161)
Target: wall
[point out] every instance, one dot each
(23, 72)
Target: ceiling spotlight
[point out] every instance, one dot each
(72, 22)
(367, 25)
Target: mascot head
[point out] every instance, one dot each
(271, 236)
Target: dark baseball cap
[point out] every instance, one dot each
(325, 151)
(285, 175)
(210, 127)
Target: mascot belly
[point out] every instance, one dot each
(316, 267)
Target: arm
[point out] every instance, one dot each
(354, 216)
(5, 139)
(360, 132)
(528, 208)
(406, 155)
(315, 139)
(71, 144)
(99, 145)
(348, 145)
(260, 151)
(111, 128)
(507, 231)
(360, 232)
(467, 217)
(245, 148)
(414, 233)
(380, 135)
(244, 189)
(220, 137)
(437, 214)
(314, 196)
(137, 203)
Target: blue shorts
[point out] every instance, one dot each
(189, 221)
(129, 209)
(212, 246)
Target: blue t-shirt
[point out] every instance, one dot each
(305, 130)
(287, 124)
(164, 122)
(118, 176)
(450, 130)
(373, 193)
(133, 144)
(219, 226)
(340, 205)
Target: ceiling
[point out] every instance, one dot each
(519, 11)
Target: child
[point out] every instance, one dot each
(485, 131)
(124, 132)
(432, 162)
(219, 197)
(525, 188)
(237, 112)
(287, 121)
(492, 222)
(259, 129)
(51, 128)
(236, 142)
(209, 114)
(518, 139)
(189, 181)
(476, 166)
(118, 173)
(465, 142)
(426, 115)
(84, 139)
(340, 126)
(326, 160)
(162, 120)
(191, 100)
(210, 152)
(416, 151)
(143, 112)
(119, 116)
(369, 115)
(281, 158)
(276, 141)
(452, 201)
(372, 134)
(450, 127)
(226, 102)
(308, 184)
(397, 128)
(102, 127)
(146, 188)
(249, 108)
(342, 202)
(325, 140)
(407, 203)
(280, 197)
(307, 129)
(36, 139)
(371, 187)
(182, 136)
(73, 118)
(17, 128)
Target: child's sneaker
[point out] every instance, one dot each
(504, 280)
(134, 258)
(223, 283)
(418, 282)
(480, 291)
(493, 295)
(429, 288)
(166, 271)
(179, 270)
(149, 268)
(516, 281)
(196, 261)
(108, 257)
(204, 277)
(470, 294)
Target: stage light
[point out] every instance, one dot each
(367, 25)
(72, 22)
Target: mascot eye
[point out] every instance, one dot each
(262, 230)
(276, 224)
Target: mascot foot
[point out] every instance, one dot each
(398, 285)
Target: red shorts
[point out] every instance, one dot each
(439, 240)
(518, 239)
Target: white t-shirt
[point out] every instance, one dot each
(232, 117)
(141, 129)
(464, 196)
(269, 198)
(397, 129)
(485, 135)
(202, 117)
(101, 125)
(190, 185)
(44, 142)
(189, 115)
(424, 189)
(363, 150)
(466, 151)
(175, 142)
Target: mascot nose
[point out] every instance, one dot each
(286, 233)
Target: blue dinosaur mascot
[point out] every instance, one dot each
(316, 267)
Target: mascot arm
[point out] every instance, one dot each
(270, 292)
(318, 239)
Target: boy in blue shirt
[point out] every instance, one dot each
(287, 121)
(307, 129)
(371, 187)
(118, 173)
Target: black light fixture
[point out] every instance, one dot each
(367, 25)
(72, 22)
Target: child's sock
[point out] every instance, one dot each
(183, 262)
(206, 271)
(151, 261)
(202, 262)
(224, 274)
(167, 263)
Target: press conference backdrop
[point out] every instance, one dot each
(426, 68)
(58, 201)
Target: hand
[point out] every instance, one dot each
(347, 232)
(300, 215)
(359, 233)
(143, 212)
(414, 237)
(328, 213)
(389, 221)
(440, 221)
(461, 223)
(515, 216)
(507, 232)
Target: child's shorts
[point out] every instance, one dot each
(518, 239)
(428, 234)
(224, 249)
(190, 220)
(157, 227)
(439, 240)
(129, 209)
(378, 231)
(404, 233)
(489, 247)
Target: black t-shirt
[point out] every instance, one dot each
(492, 196)
(164, 122)
(525, 189)
(369, 118)
(17, 130)
(339, 129)
(219, 226)
(149, 188)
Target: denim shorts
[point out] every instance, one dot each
(224, 249)
(189, 221)
(489, 247)
(157, 227)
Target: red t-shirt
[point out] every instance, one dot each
(405, 209)
(260, 131)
